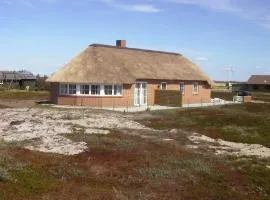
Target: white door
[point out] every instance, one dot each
(140, 94)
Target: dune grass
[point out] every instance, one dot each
(247, 123)
(24, 95)
(121, 166)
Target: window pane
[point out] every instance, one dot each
(196, 88)
(117, 89)
(108, 89)
(63, 88)
(72, 89)
(84, 89)
(95, 89)
(163, 86)
(120, 89)
(182, 87)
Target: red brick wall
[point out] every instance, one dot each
(128, 95)
(94, 101)
(204, 94)
(54, 93)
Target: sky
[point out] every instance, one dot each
(228, 39)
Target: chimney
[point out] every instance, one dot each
(121, 43)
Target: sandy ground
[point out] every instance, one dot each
(220, 146)
(43, 129)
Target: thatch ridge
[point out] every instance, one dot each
(134, 49)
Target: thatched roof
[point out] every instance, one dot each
(109, 64)
(259, 80)
(16, 75)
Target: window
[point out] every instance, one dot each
(84, 89)
(195, 88)
(72, 89)
(95, 89)
(63, 88)
(164, 86)
(117, 90)
(108, 89)
(182, 87)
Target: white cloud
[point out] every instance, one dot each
(27, 3)
(252, 10)
(7, 2)
(146, 8)
(201, 59)
(229, 69)
(117, 4)
(218, 5)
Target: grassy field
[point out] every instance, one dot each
(24, 95)
(261, 96)
(247, 123)
(226, 95)
(121, 166)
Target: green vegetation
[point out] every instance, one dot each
(247, 123)
(261, 96)
(122, 166)
(24, 95)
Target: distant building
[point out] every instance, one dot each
(226, 84)
(13, 79)
(258, 83)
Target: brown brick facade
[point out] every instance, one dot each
(127, 99)
(204, 95)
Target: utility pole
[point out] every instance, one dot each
(230, 70)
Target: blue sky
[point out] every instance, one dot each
(219, 35)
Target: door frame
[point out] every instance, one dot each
(135, 94)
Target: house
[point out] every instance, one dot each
(226, 85)
(258, 83)
(13, 79)
(220, 84)
(107, 76)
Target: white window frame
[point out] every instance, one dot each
(108, 85)
(182, 84)
(98, 90)
(119, 90)
(74, 89)
(82, 89)
(146, 93)
(166, 85)
(198, 88)
(61, 89)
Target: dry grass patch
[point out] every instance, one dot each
(246, 123)
(24, 95)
